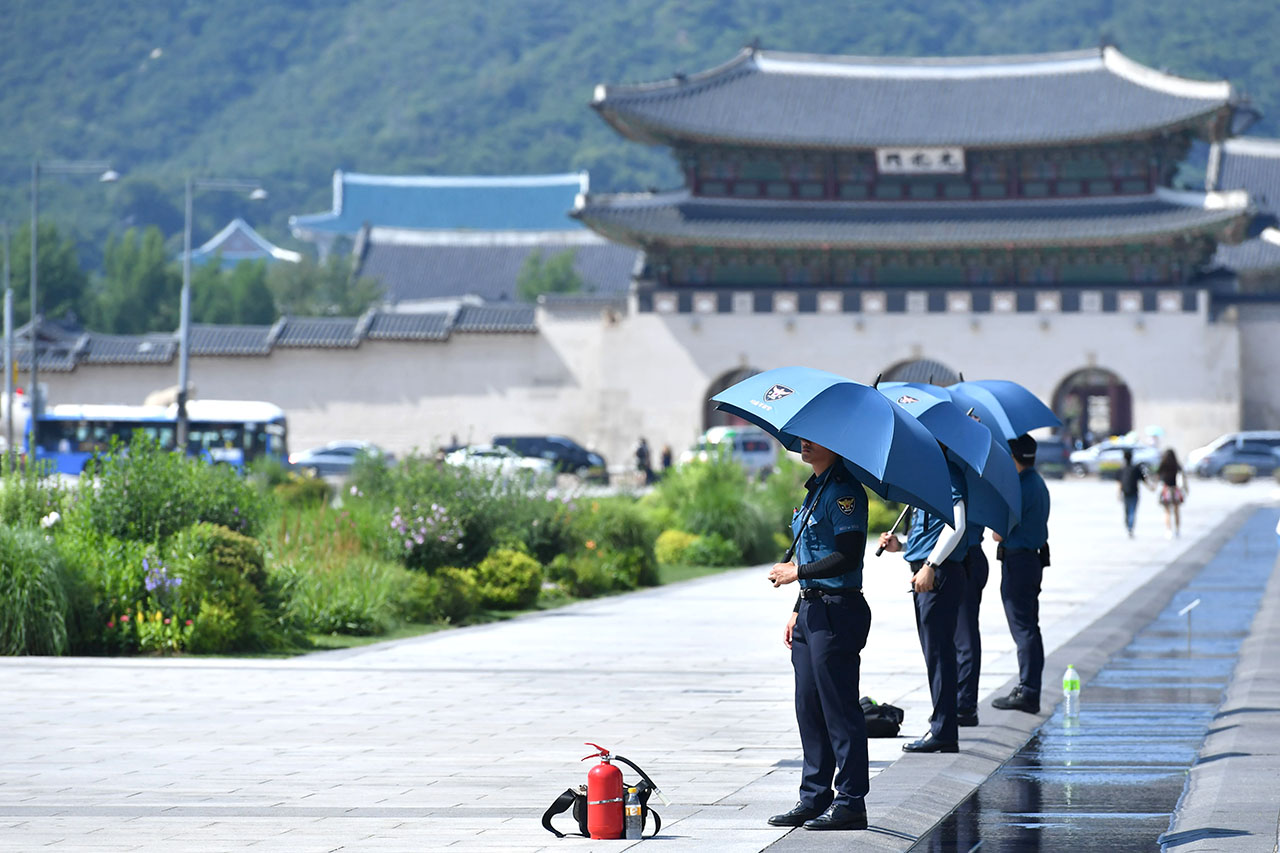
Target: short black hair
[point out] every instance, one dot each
(1023, 449)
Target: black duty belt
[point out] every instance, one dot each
(817, 593)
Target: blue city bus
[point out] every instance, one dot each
(234, 432)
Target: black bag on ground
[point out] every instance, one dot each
(882, 720)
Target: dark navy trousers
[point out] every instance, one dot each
(1020, 578)
(936, 614)
(968, 640)
(826, 645)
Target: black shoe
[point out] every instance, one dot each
(929, 743)
(1017, 700)
(796, 817)
(840, 816)
(967, 720)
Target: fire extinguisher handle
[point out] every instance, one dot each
(600, 753)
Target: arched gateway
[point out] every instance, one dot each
(1092, 404)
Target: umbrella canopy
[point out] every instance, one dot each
(991, 480)
(882, 446)
(1007, 405)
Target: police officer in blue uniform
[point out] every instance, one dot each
(1023, 556)
(826, 635)
(936, 553)
(968, 640)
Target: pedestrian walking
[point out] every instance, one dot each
(936, 553)
(1023, 556)
(1173, 491)
(643, 463)
(666, 458)
(1131, 477)
(968, 638)
(826, 634)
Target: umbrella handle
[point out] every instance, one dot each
(791, 552)
(901, 516)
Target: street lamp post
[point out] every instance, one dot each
(106, 175)
(256, 192)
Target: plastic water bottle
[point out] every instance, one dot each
(632, 821)
(1071, 691)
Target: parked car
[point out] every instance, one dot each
(1259, 455)
(500, 461)
(336, 457)
(565, 454)
(751, 447)
(1266, 436)
(1053, 457)
(1109, 455)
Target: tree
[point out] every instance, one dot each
(140, 286)
(312, 289)
(554, 275)
(236, 296)
(63, 285)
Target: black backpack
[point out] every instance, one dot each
(882, 720)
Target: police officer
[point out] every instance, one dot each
(936, 553)
(826, 634)
(968, 640)
(1023, 555)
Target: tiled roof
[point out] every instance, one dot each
(240, 242)
(1253, 255)
(515, 317)
(679, 218)
(1253, 164)
(410, 327)
(230, 340)
(318, 332)
(412, 270)
(781, 99)
(129, 349)
(521, 202)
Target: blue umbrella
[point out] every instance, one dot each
(1006, 405)
(882, 446)
(991, 480)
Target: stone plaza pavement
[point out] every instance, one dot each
(459, 740)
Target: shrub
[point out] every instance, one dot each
(29, 494)
(508, 580)
(1238, 473)
(712, 550)
(711, 497)
(361, 597)
(33, 602)
(303, 492)
(148, 494)
(617, 532)
(671, 547)
(447, 595)
(223, 579)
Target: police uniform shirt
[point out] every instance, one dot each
(926, 528)
(1032, 531)
(841, 508)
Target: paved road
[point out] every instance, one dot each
(458, 740)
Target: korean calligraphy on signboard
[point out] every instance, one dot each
(920, 161)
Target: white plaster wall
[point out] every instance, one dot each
(1260, 364)
(606, 382)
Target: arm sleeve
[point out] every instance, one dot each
(852, 544)
(951, 539)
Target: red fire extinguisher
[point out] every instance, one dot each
(604, 796)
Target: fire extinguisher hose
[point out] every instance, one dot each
(644, 776)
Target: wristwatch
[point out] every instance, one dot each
(930, 564)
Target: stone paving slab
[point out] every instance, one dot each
(459, 739)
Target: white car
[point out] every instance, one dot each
(1111, 452)
(1266, 436)
(751, 447)
(336, 457)
(501, 461)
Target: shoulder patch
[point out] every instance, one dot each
(846, 505)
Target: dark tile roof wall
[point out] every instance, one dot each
(321, 332)
(1253, 165)
(409, 327)
(1253, 255)
(515, 317)
(412, 273)
(129, 349)
(678, 216)
(230, 340)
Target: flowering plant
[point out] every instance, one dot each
(427, 537)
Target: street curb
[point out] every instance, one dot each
(917, 792)
(1229, 803)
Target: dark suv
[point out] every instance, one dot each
(566, 454)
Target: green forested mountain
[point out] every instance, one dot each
(288, 90)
